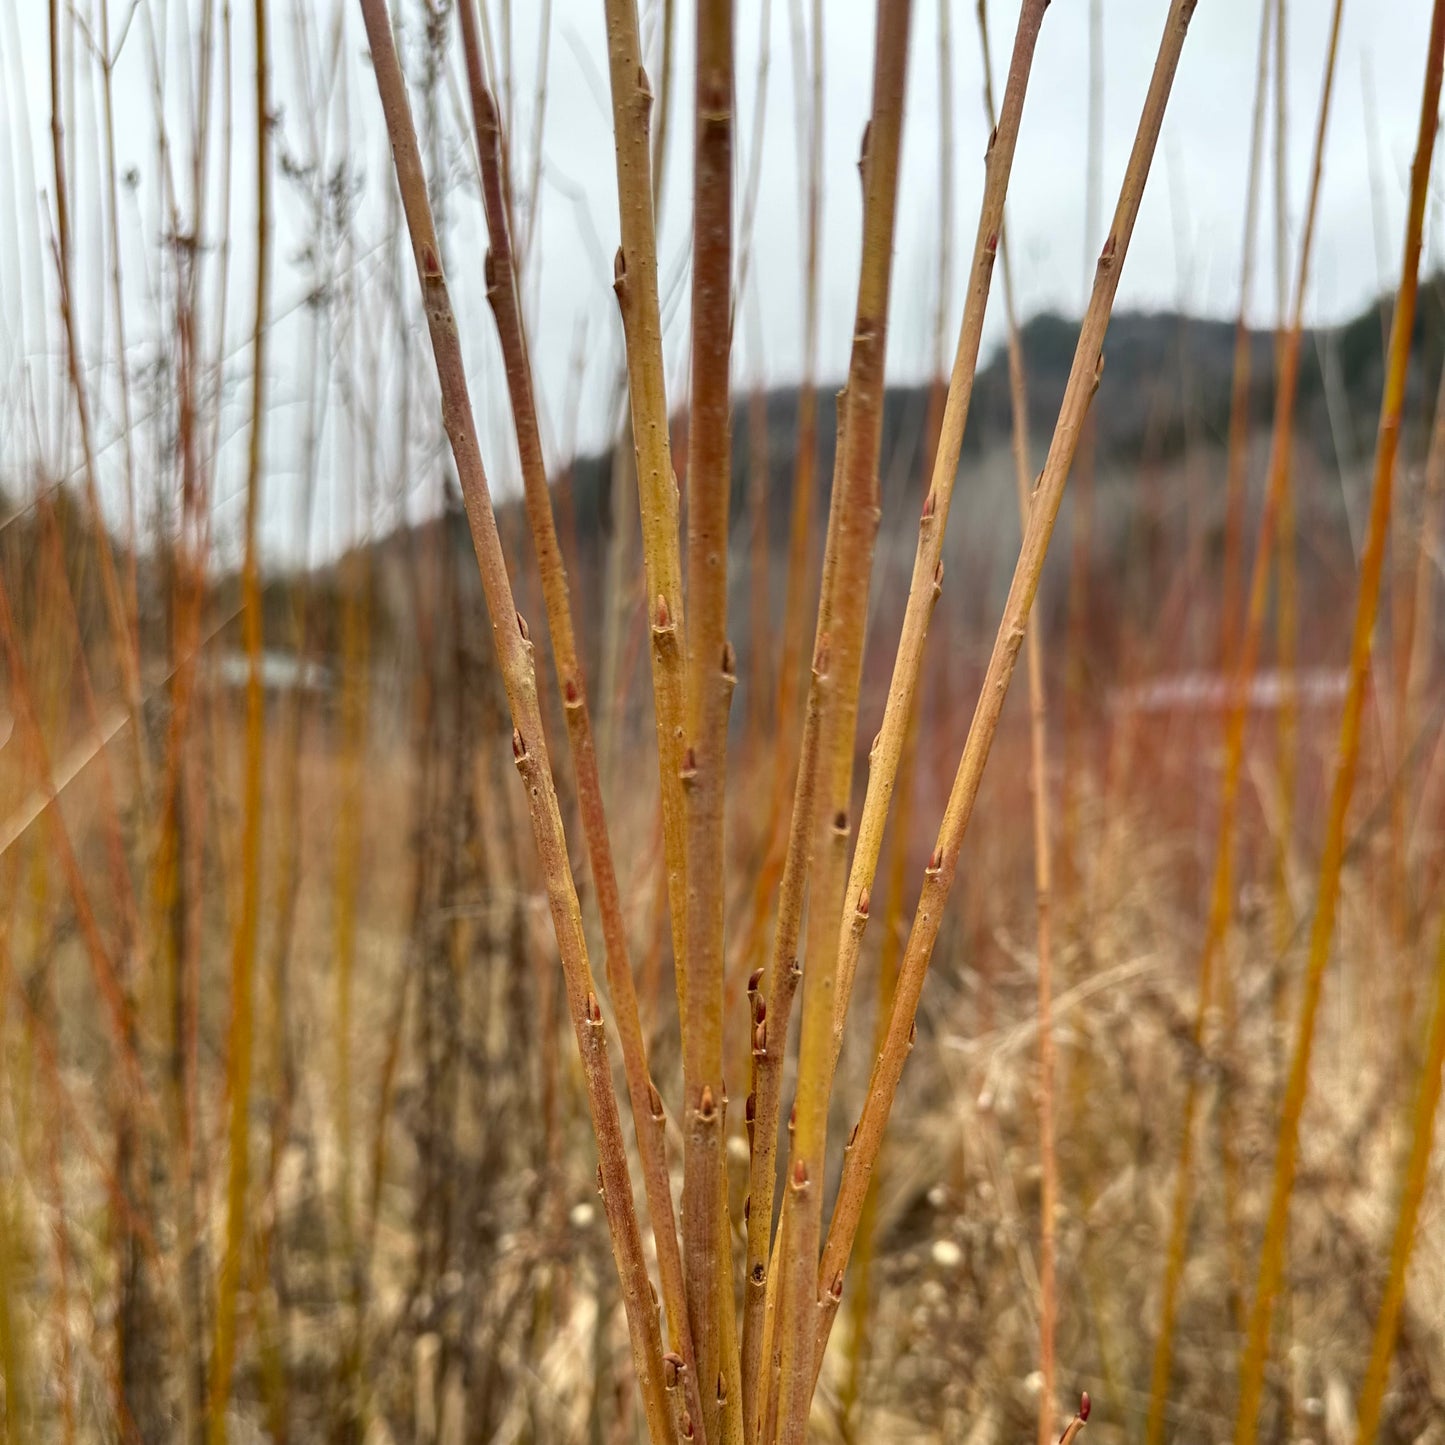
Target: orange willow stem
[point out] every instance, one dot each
(243, 952)
(1236, 459)
(1412, 1194)
(635, 282)
(778, 839)
(842, 620)
(1271, 1264)
(649, 1120)
(1222, 889)
(529, 746)
(942, 867)
(108, 980)
(927, 578)
(1075, 707)
(711, 674)
(123, 639)
(1043, 846)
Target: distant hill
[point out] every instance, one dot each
(1166, 385)
(1161, 417)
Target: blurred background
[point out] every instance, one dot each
(364, 993)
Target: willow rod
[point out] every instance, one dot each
(711, 675)
(1245, 658)
(843, 616)
(529, 747)
(939, 874)
(927, 577)
(1372, 562)
(635, 283)
(503, 293)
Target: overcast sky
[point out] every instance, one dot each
(1186, 250)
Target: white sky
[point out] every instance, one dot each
(1186, 249)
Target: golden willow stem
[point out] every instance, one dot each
(503, 292)
(711, 675)
(858, 1343)
(529, 747)
(635, 282)
(1222, 888)
(1412, 1194)
(243, 953)
(942, 866)
(1372, 560)
(769, 1048)
(1043, 846)
(1287, 719)
(1236, 460)
(843, 617)
(927, 580)
(117, 307)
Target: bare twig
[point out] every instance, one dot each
(528, 743)
(1047, 495)
(1222, 893)
(1271, 1264)
(842, 620)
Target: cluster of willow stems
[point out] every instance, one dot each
(718, 1381)
(757, 1382)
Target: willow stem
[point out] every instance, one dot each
(649, 1119)
(635, 282)
(843, 617)
(1372, 561)
(711, 675)
(529, 747)
(1222, 888)
(927, 581)
(243, 954)
(1043, 512)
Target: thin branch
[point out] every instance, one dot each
(943, 864)
(1222, 890)
(1372, 561)
(842, 625)
(529, 746)
(711, 675)
(927, 580)
(635, 282)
